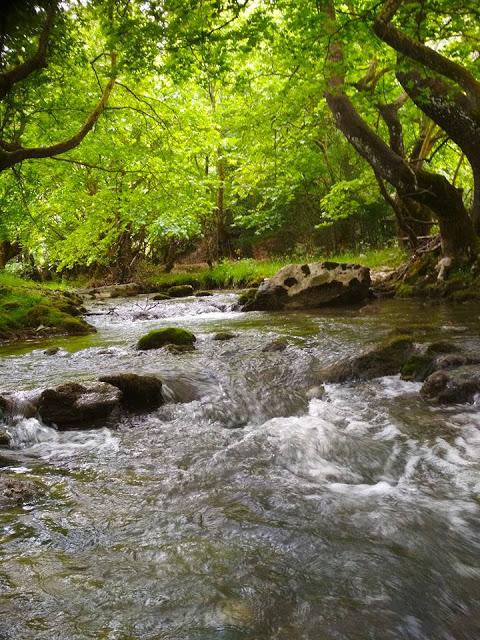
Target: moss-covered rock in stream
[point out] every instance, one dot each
(203, 294)
(15, 490)
(139, 393)
(161, 296)
(417, 367)
(384, 359)
(160, 337)
(180, 291)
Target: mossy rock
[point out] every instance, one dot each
(180, 291)
(160, 337)
(442, 346)
(75, 326)
(203, 294)
(417, 368)
(70, 309)
(246, 296)
(280, 344)
(384, 359)
(224, 335)
(413, 330)
(161, 296)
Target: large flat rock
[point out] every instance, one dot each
(308, 286)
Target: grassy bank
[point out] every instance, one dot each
(28, 309)
(250, 273)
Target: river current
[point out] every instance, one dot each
(249, 506)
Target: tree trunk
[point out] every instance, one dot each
(432, 190)
(8, 250)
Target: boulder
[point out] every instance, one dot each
(139, 393)
(203, 294)
(309, 286)
(160, 337)
(161, 296)
(180, 291)
(437, 356)
(384, 359)
(455, 386)
(74, 406)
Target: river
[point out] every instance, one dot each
(245, 508)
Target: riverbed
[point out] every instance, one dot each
(250, 506)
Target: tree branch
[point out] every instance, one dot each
(419, 52)
(11, 158)
(37, 61)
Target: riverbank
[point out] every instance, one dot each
(31, 310)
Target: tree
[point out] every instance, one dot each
(14, 116)
(410, 181)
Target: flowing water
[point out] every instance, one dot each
(247, 507)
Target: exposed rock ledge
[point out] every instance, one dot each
(312, 285)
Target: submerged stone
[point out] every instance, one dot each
(312, 285)
(280, 344)
(224, 335)
(160, 337)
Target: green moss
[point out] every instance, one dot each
(160, 337)
(75, 326)
(405, 290)
(246, 296)
(180, 291)
(465, 295)
(417, 367)
(23, 310)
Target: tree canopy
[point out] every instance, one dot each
(140, 131)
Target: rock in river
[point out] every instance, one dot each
(160, 337)
(313, 285)
(139, 393)
(74, 406)
(384, 359)
(455, 386)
